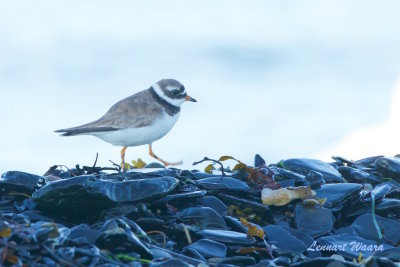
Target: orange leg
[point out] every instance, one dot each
(123, 157)
(163, 161)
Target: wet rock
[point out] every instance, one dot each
(227, 237)
(84, 234)
(389, 208)
(169, 263)
(234, 261)
(223, 183)
(283, 239)
(214, 203)
(353, 175)
(315, 179)
(367, 163)
(339, 194)
(20, 182)
(342, 161)
(364, 227)
(133, 174)
(392, 254)
(325, 262)
(151, 217)
(121, 240)
(305, 238)
(190, 252)
(259, 161)
(154, 165)
(186, 198)
(175, 255)
(262, 212)
(151, 224)
(390, 167)
(304, 166)
(201, 218)
(281, 175)
(86, 196)
(200, 175)
(265, 263)
(209, 248)
(282, 261)
(235, 224)
(314, 221)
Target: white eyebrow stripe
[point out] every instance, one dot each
(160, 93)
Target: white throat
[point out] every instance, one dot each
(160, 93)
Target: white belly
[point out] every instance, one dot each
(139, 136)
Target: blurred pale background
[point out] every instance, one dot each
(280, 78)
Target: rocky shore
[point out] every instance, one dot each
(297, 212)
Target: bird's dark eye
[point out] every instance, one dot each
(175, 92)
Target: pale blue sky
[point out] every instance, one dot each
(279, 78)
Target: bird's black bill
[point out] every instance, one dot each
(188, 98)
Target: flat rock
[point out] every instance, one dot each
(20, 181)
(87, 195)
(304, 166)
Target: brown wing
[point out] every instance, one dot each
(138, 110)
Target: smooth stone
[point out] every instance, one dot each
(315, 179)
(160, 254)
(120, 240)
(227, 237)
(183, 197)
(389, 208)
(307, 240)
(214, 203)
(325, 261)
(281, 174)
(339, 194)
(314, 221)
(283, 239)
(86, 196)
(392, 254)
(169, 263)
(367, 163)
(84, 232)
(389, 166)
(264, 263)
(379, 192)
(259, 161)
(304, 166)
(353, 175)
(234, 224)
(175, 255)
(219, 182)
(209, 248)
(147, 173)
(36, 217)
(263, 213)
(287, 183)
(342, 161)
(154, 165)
(282, 261)
(190, 252)
(202, 175)
(201, 218)
(20, 181)
(365, 228)
(151, 224)
(235, 261)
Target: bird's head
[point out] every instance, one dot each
(172, 92)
